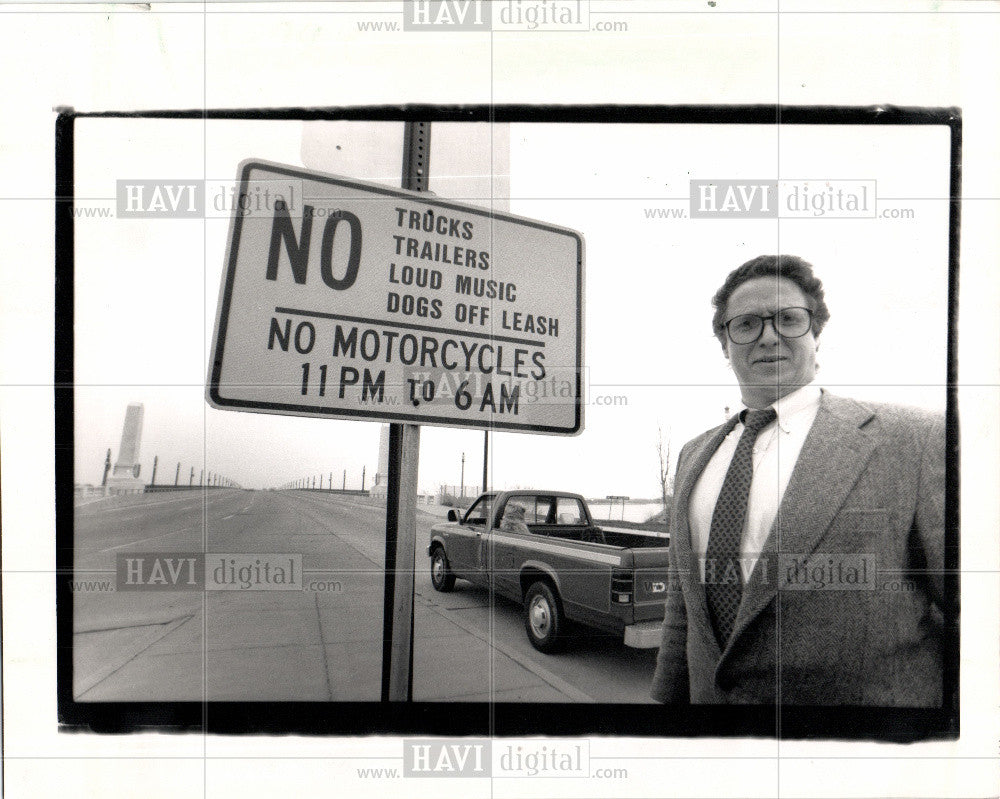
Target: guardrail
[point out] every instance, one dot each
(156, 489)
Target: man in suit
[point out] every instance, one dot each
(807, 532)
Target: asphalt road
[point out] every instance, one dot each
(320, 643)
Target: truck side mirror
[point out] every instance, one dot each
(453, 515)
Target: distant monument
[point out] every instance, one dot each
(381, 487)
(125, 477)
(107, 468)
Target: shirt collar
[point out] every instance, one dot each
(792, 404)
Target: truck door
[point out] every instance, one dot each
(465, 540)
(500, 555)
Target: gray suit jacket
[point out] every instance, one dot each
(869, 480)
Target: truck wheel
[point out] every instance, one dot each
(543, 617)
(441, 577)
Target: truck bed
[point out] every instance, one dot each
(623, 539)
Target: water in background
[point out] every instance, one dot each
(637, 512)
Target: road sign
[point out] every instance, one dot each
(347, 299)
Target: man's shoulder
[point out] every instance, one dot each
(704, 437)
(696, 443)
(888, 417)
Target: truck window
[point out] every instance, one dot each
(479, 512)
(569, 511)
(542, 507)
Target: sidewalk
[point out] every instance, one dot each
(301, 646)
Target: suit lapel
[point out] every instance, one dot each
(832, 459)
(694, 592)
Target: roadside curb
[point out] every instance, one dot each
(554, 681)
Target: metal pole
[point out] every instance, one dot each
(177, 474)
(191, 478)
(486, 457)
(344, 486)
(362, 478)
(156, 459)
(401, 496)
(461, 487)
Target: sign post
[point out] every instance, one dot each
(614, 498)
(401, 496)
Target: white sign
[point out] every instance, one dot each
(351, 300)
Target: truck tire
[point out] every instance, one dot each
(441, 575)
(543, 617)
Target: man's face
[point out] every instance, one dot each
(772, 366)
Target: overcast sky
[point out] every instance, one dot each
(147, 290)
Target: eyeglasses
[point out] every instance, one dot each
(788, 322)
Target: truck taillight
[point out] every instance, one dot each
(622, 586)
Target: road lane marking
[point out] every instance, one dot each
(141, 505)
(321, 523)
(151, 538)
(141, 540)
(140, 509)
(138, 506)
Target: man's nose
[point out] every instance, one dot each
(769, 334)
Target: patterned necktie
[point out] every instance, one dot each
(723, 576)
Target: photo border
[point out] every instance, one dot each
(504, 719)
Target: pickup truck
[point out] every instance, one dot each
(558, 564)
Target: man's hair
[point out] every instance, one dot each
(796, 269)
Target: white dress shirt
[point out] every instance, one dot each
(774, 455)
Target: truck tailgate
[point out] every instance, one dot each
(650, 591)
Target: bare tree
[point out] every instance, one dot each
(664, 455)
